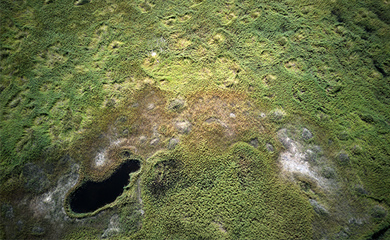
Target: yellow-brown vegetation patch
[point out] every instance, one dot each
(145, 124)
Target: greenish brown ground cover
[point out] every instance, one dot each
(79, 79)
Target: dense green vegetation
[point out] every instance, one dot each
(77, 76)
(232, 196)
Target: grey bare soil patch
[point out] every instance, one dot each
(307, 163)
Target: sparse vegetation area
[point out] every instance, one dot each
(251, 119)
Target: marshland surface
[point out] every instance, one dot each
(249, 119)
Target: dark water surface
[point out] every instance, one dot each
(91, 196)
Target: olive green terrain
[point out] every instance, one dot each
(222, 78)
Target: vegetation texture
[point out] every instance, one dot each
(251, 119)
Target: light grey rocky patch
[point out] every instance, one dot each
(254, 142)
(150, 106)
(269, 147)
(50, 205)
(7, 211)
(287, 142)
(306, 134)
(113, 227)
(100, 158)
(176, 105)
(154, 141)
(143, 139)
(318, 208)
(293, 160)
(172, 143)
(35, 178)
(311, 156)
(183, 126)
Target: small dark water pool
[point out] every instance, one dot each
(91, 196)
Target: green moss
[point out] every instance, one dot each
(70, 70)
(235, 195)
(82, 233)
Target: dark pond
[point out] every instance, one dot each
(91, 196)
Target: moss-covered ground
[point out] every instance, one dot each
(197, 90)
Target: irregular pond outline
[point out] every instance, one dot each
(90, 195)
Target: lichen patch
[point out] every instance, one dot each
(50, 205)
(299, 159)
